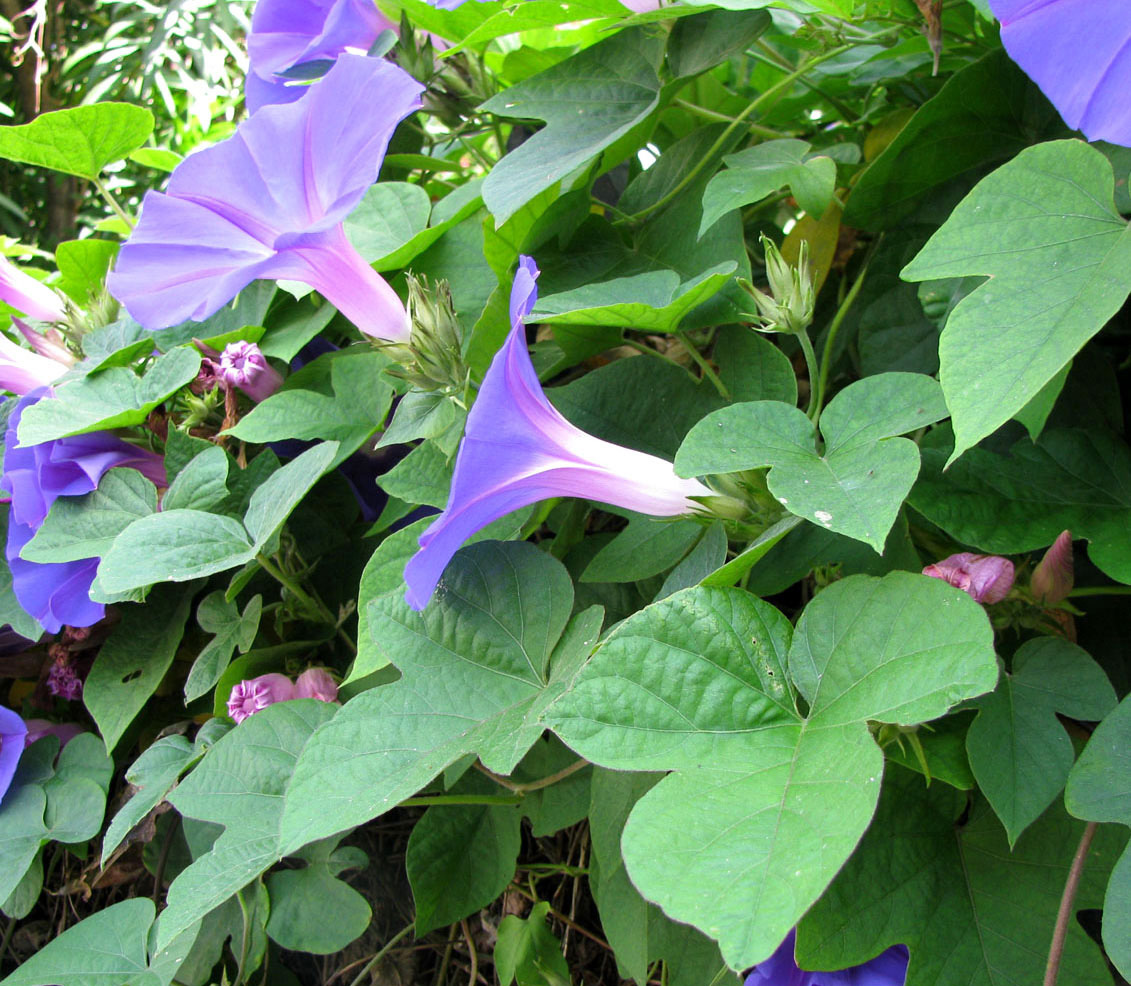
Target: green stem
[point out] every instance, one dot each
(312, 603)
(811, 367)
(520, 788)
(720, 976)
(427, 800)
(113, 203)
(1100, 590)
(717, 117)
(245, 942)
(701, 362)
(361, 976)
(830, 338)
(752, 107)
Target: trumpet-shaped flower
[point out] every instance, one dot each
(889, 968)
(987, 578)
(22, 371)
(269, 202)
(285, 33)
(36, 476)
(1079, 53)
(13, 730)
(518, 449)
(24, 293)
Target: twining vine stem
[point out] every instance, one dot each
(1064, 915)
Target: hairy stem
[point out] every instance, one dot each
(1064, 915)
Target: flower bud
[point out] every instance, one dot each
(432, 360)
(49, 343)
(789, 306)
(986, 578)
(255, 694)
(242, 364)
(1053, 577)
(316, 683)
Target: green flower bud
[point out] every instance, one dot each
(789, 306)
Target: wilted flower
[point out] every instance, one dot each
(255, 694)
(987, 578)
(518, 449)
(316, 683)
(889, 968)
(36, 476)
(12, 732)
(1079, 53)
(269, 202)
(65, 731)
(24, 293)
(63, 680)
(285, 33)
(1053, 577)
(242, 364)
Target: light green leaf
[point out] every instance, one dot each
(1013, 334)
(754, 173)
(763, 800)
(588, 101)
(858, 484)
(752, 368)
(423, 476)
(538, 14)
(83, 265)
(528, 953)
(343, 397)
(85, 526)
(655, 301)
(487, 636)
(174, 546)
(201, 484)
(79, 141)
(112, 398)
(390, 214)
(218, 616)
(134, 659)
(1019, 752)
(239, 784)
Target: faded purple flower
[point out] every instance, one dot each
(24, 293)
(12, 732)
(518, 449)
(285, 33)
(255, 694)
(269, 203)
(65, 731)
(316, 683)
(242, 364)
(36, 476)
(1079, 53)
(63, 680)
(22, 371)
(987, 578)
(1053, 577)
(889, 968)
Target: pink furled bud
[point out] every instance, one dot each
(24, 293)
(987, 578)
(243, 365)
(1053, 578)
(49, 343)
(38, 728)
(316, 683)
(254, 695)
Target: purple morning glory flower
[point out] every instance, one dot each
(242, 364)
(13, 730)
(1079, 53)
(986, 578)
(269, 202)
(889, 968)
(36, 476)
(24, 293)
(285, 33)
(517, 449)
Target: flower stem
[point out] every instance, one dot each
(830, 338)
(753, 106)
(312, 603)
(361, 976)
(113, 202)
(811, 367)
(703, 365)
(1064, 914)
(1101, 590)
(427, 800)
